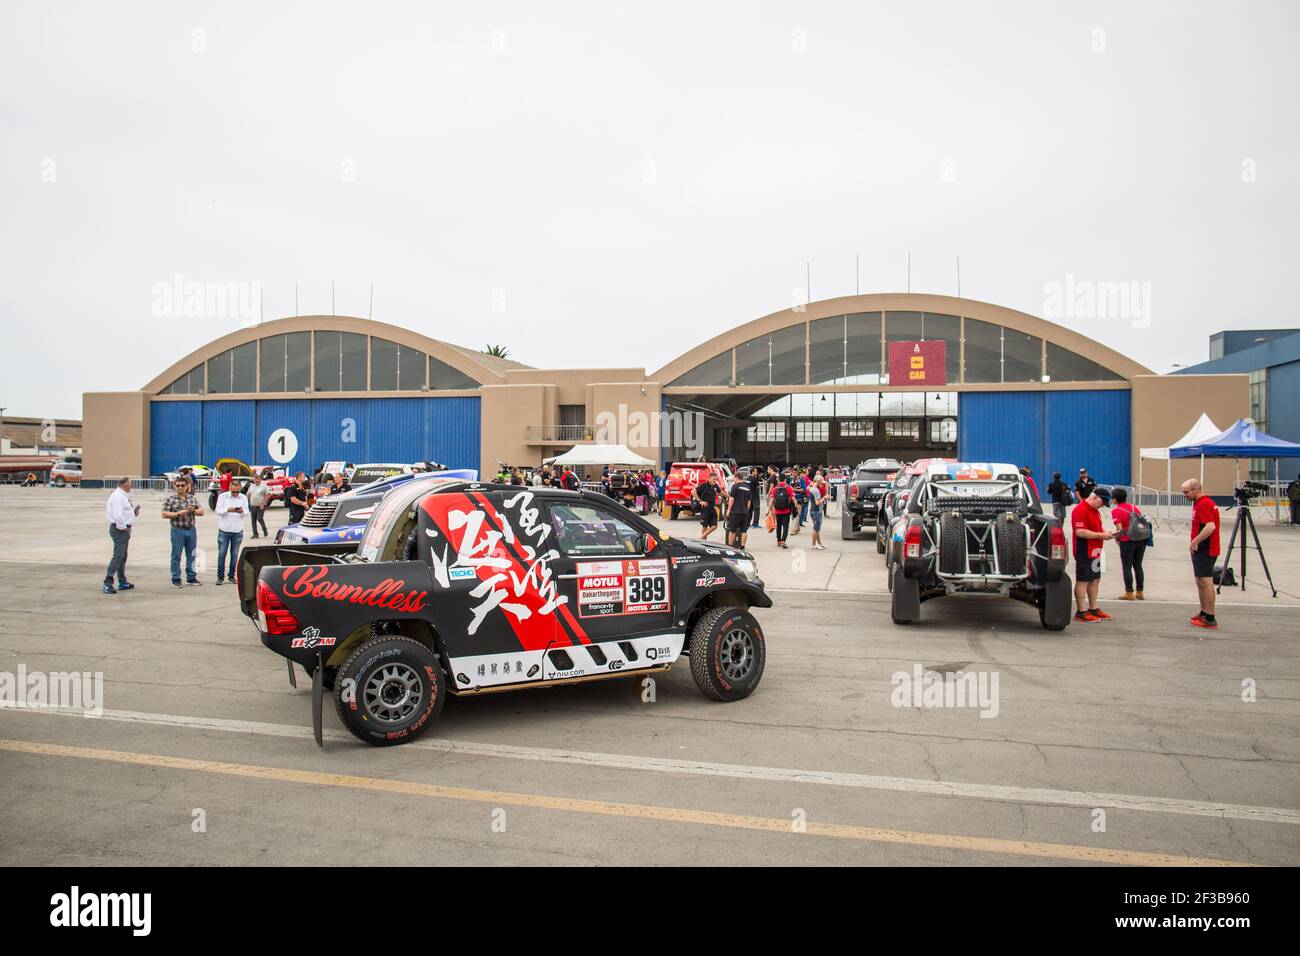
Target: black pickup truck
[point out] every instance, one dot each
(459, 587)
(863, 493)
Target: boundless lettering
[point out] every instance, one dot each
(313, 581)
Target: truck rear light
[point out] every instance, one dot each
(1058, 543)
(853, 489)
(272, 616)
(912, 542)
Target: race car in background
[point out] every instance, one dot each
(977, 528)
(684, 477)
(895, 501)
(333, 519)
(276, 477)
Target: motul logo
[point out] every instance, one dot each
(609, 582)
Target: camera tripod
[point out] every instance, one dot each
(1244, 521)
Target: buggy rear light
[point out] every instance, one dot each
(272, 616)
(1058, 543)
(912, 542)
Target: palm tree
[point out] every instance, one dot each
(500, 351)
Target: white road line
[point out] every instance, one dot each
(1227, 605)
(975, 791)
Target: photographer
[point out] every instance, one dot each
(1293, 496)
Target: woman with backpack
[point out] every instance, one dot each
(1134, 535)
(783, 505)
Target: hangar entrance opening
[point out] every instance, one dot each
(831, 428)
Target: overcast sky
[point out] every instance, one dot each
(612, 183)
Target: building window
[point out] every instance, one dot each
(899, 429)
(395, 367)
(1259, 413)
(860, 429)
(191, 383)
(862, 351)
(812, 431)
(943, 432)
(715, 371)
(1022, 357)
(983, 351)
(766, 432)
(1066, 366)
(789, 356)
(341, 361)
(285, 362)
(234, 370)
(442, 375)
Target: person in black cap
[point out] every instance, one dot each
(1085, 522)
(1083, 487)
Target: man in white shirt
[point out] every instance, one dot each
(259, 493)
(121, 517)
(232, 505)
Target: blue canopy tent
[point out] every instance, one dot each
(1241, 440)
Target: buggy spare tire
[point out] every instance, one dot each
(952, 543)
(727, 653)
(389, 691)
(1009, 535)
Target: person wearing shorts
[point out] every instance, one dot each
(708, 493)
(1204, 548)
(816, 509)
(738, 518)
(1085, 521)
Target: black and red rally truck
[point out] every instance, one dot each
(460, 587)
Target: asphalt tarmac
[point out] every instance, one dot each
(1134, 741)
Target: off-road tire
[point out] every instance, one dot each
(675, 511)
(728, 653)
(952, 543)
(369, 684)
(1009, 533)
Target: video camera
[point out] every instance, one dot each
(1249, 489)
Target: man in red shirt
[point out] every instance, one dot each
(1085, 520)
(1204, 547)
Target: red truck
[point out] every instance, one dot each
(684, 476)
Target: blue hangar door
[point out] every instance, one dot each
(301, 433)
(1050, 431)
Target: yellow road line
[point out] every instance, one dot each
(940, 841)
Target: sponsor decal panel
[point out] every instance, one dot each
(615, 588)
(390, 594)
(311, 638)
(508, 553)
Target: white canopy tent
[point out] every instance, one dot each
(593, 455)
(1203, 430)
